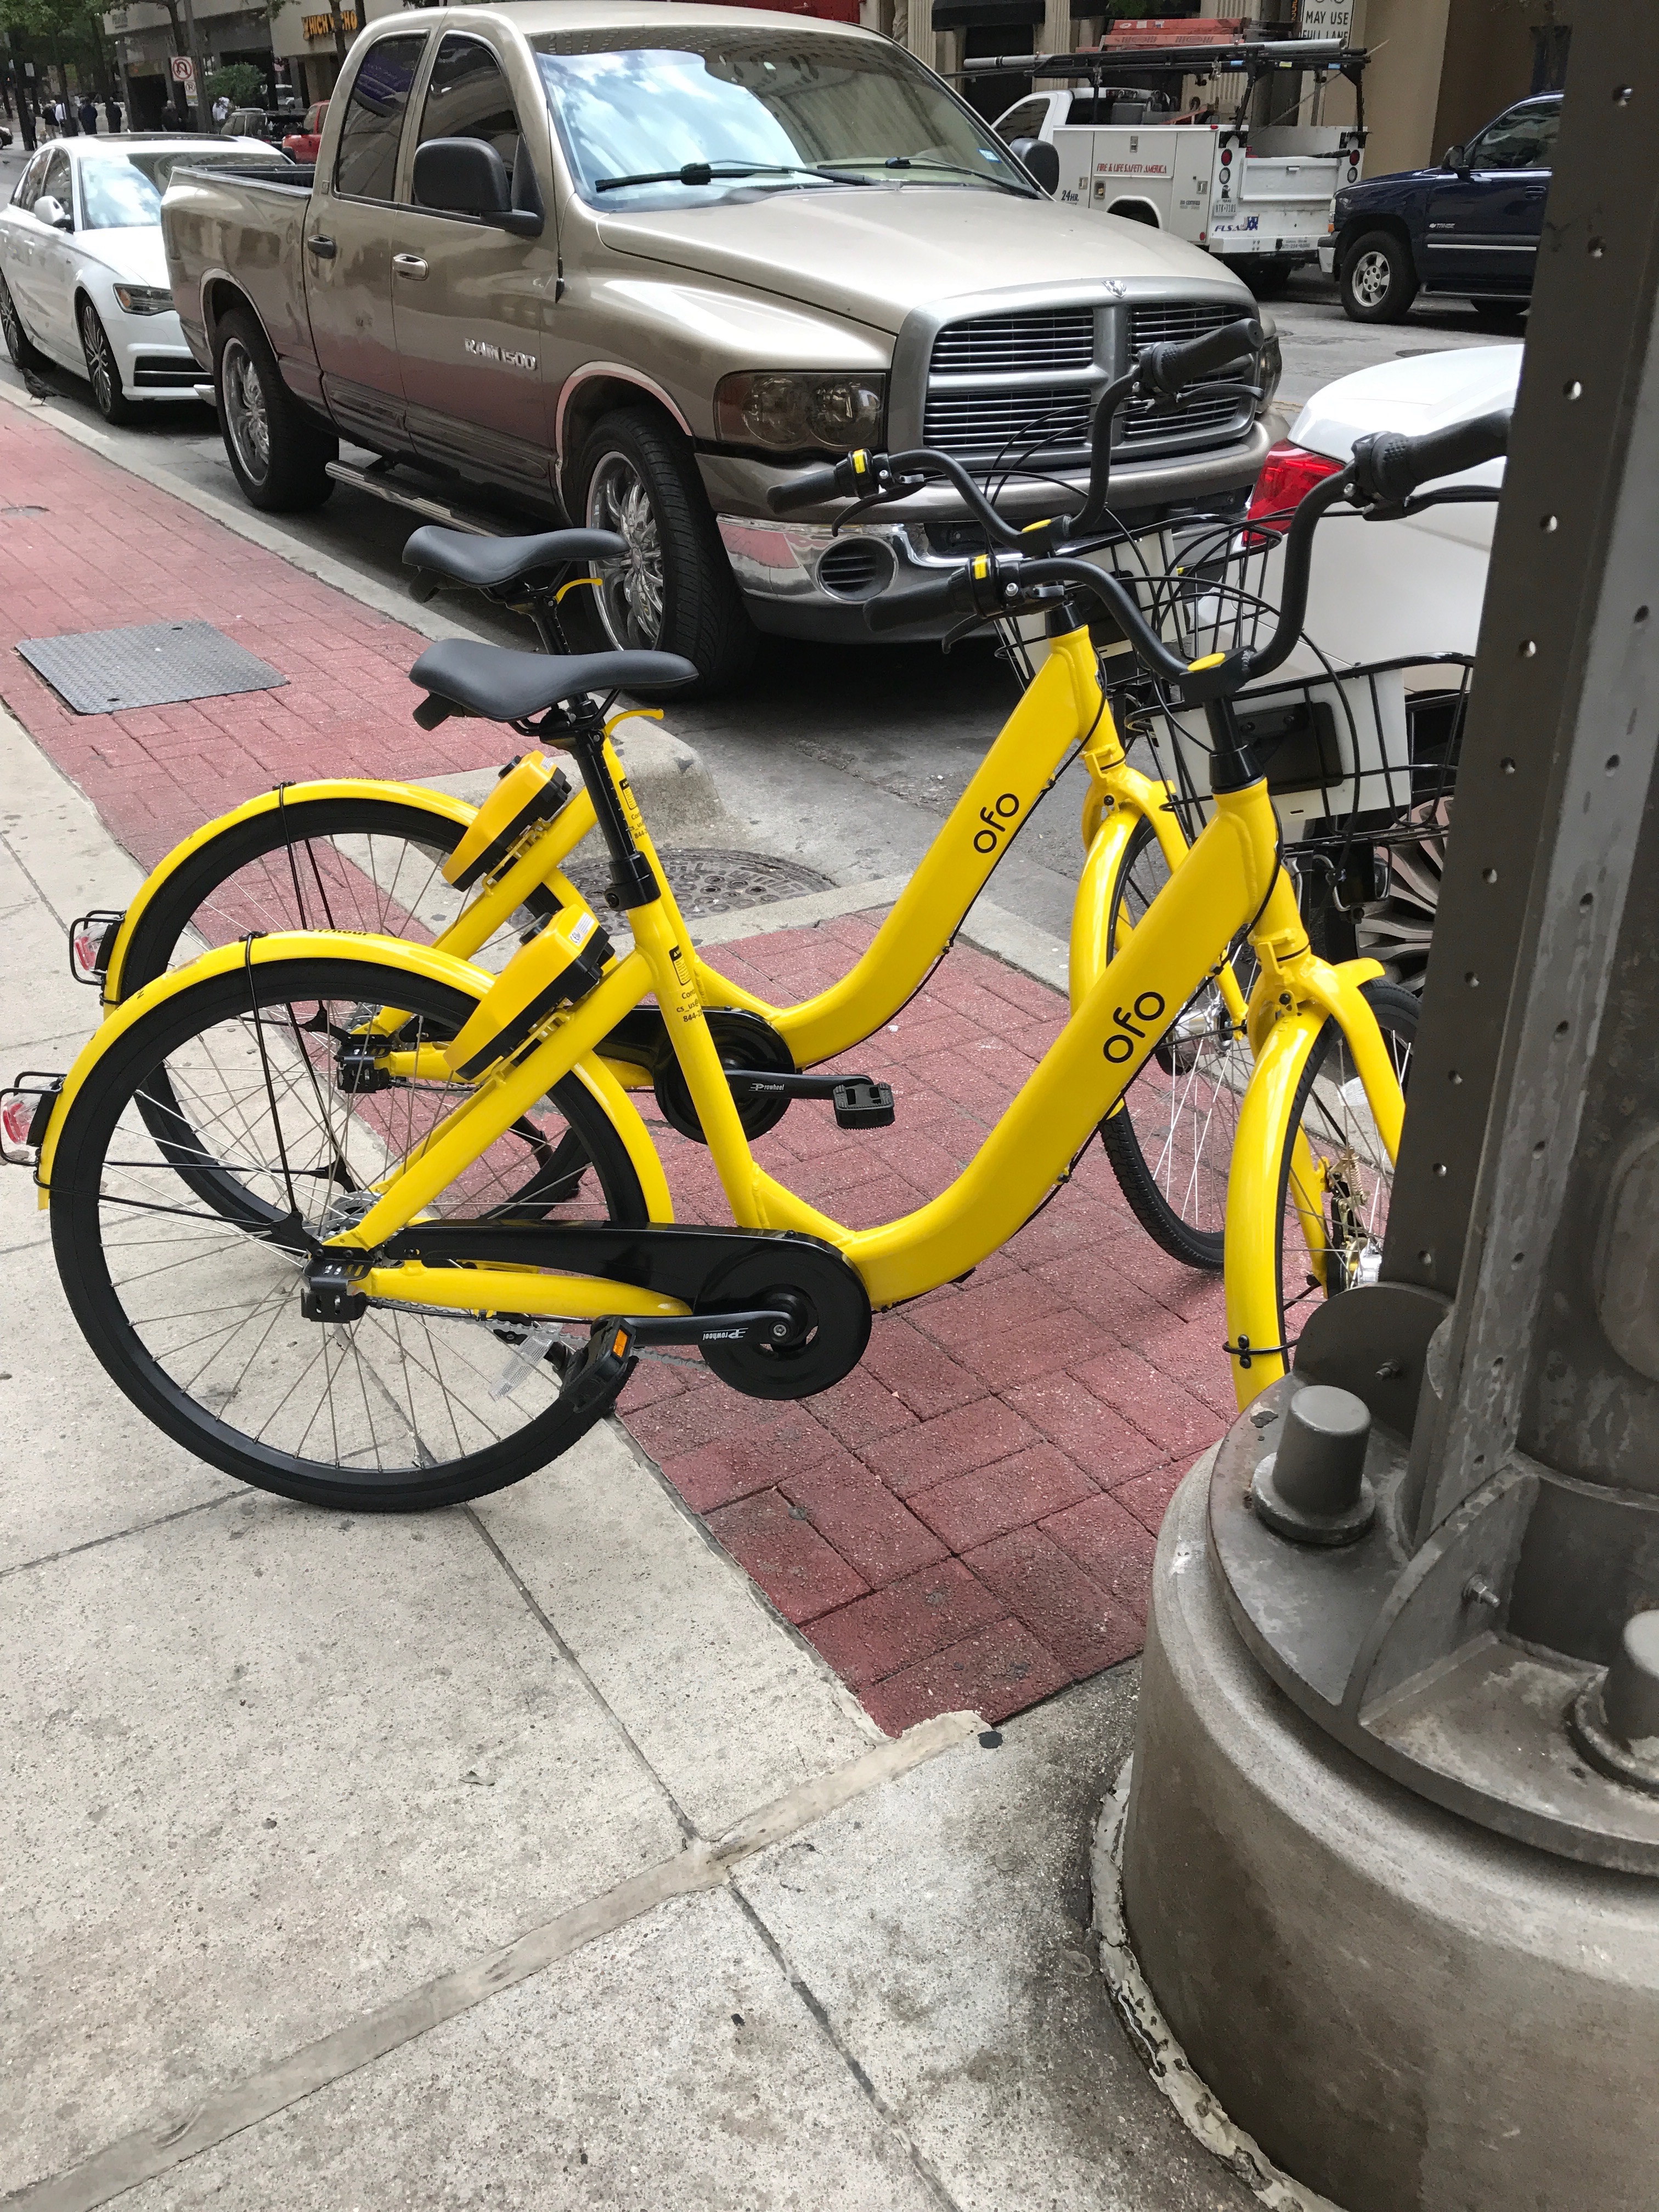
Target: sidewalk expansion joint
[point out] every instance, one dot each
(920, 2164)
(539, 1614)
(120, 1535)
(162, 2144)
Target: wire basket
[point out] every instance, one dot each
(1196, 579)
(1352, 755)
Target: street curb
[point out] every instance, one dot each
(247, 524)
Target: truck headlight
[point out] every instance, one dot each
(790, 412)
(1270, 367)
(143, 299)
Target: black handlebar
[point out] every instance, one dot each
(951, 593)
(1388, 467)
(1164, 370)
(812, 490)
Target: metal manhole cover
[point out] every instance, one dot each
(102, 671)
(708, 880)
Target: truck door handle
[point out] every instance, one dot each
(409, 265)
(324, 248)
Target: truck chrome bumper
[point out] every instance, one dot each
(1327, 258)
(805, 578)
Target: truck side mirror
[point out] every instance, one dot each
(1457, 158)
(467, 176)
(1039, 162)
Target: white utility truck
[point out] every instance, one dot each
(1256, 196)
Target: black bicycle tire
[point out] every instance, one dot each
(1386, 1001)
(159, 930)
(78, 1248)
(1195, 1248)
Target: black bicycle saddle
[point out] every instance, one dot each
(469, 677)
(487, 563)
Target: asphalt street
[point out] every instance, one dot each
(846, 759)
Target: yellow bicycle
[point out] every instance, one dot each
(398, 860)
(362, 1223)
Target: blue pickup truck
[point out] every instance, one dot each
(1470, 226)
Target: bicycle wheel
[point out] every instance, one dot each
(194, 1307)
(1333, 1207)
(338, 863)
(1169, 1138)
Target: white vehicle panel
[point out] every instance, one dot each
(1384, 589)
(50, 273)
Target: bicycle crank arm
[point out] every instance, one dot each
(766, 1325)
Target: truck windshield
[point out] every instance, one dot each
(801, 106)
(125, 193)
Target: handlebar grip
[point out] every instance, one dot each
(1165, 369)
(809, 491)
(1387, 466)
(950, 594)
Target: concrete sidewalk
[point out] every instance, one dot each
(520, 1855)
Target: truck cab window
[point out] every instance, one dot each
(1522, 141)
(468, 98)
(366, 166)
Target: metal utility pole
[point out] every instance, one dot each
(198, 66)
(1391, 1865)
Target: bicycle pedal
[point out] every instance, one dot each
(862, 1104)
(597, 1372)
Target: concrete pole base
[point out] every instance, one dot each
(1403, 2011)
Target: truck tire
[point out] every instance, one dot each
(279, 455)
(634, 474)
(1267, 279)
(1378, 279)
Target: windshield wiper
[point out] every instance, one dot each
(922, 162)
(705, 173)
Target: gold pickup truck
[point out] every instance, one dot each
(633, 264)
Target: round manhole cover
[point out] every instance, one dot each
(709, 879)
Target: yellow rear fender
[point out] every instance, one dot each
(398, 957)
(602, 1085)
(437, 803)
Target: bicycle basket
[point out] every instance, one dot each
(1349, 752)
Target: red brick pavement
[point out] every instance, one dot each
(968, 1518)
(109, 550)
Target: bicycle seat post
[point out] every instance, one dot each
(634, 884)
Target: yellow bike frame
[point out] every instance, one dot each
(1229, 880)
(1062, 702)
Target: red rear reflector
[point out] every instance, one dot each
(17, 1118)
(87, 948)
(1288, 475)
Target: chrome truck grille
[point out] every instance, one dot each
(1022, 387)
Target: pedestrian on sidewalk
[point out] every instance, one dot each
(112, 114)
(88, 116)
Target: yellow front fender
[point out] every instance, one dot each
(437, 803)
(1253, 1186)
(400, 958)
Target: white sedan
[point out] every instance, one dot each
(1394, 592)
(1380, 590)
(84, 277)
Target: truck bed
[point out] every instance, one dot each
(252, 220)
